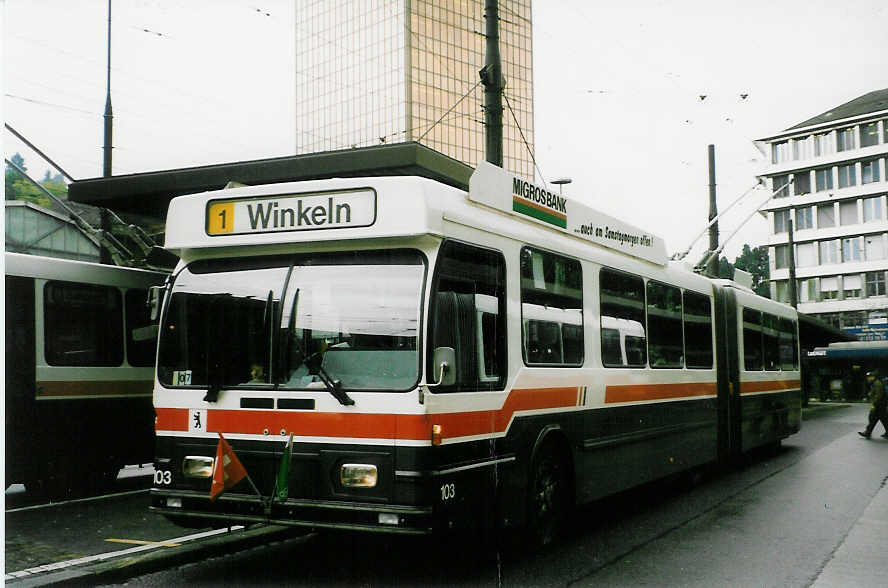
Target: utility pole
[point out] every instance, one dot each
(492, 78)
(713, 212)
(793, 295)
(109, 116)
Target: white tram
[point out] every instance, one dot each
(80, 351)
(436, 355)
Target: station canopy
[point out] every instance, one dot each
(148, 194)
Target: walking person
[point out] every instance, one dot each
(879, 407)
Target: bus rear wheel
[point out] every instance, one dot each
(549, 501)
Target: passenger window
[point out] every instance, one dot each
(770, 343)
(697, 330)
(622, 310)
(468, 314)
(551, 309)
(789, 354)
(83, 325)
(752, 340)
(665, 345)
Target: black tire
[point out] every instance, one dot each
(549, 499)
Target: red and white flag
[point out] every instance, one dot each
(227, 469)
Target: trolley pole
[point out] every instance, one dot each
(492, 78)
(109, 115)
(713, 212)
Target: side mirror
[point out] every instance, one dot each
(444, 366)
(154, 300)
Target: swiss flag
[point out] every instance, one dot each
(227, 469)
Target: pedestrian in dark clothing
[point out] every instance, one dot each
(879, 407)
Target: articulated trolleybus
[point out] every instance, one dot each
(80, 349)
(392, 354)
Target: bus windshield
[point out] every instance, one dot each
(276, 322)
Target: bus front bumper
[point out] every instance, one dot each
(240, 508)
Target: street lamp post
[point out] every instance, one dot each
(560, 183)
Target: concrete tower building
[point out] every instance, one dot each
(389, 71)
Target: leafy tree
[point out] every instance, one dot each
(755, 261)
(20, 188)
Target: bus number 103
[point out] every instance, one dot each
(448, 492)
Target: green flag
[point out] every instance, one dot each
(282, 484)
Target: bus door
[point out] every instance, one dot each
(728, 357)
(467, 316)
(20, 375)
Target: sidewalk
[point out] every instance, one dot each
(861, 559)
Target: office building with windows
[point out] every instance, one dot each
(392, 71)
(831, 177)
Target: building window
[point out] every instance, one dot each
(829, 252)
(885, 131)
(801, 183)
(852, 249)
(845, 139)
(851, 286)
(872, 209)
(806, 255)
(829, 288)
(781, 256)
(804, 218)
(801, 148)
(847, 176)
(875, 283)
(848, 212)
(869, 171)
(823, 179)
(824, 144)
(780, 186)
(869, 134)
(782, 291)
(874, 247)
(851, 320)
(826, 216)
(781, 221)
(808, 290)
(551, 309)
(779, 152)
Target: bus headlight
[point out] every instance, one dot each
(197, 466)
(358, 475)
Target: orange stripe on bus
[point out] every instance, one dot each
(642, 392)
(770, 386)
(372, 426)
(85, 388)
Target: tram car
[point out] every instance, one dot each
(392, 354)
(80, 351)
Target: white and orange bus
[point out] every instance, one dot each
(444, 359)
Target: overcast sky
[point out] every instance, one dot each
(617, 87)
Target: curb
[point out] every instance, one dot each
(816, 408)
(119, 570)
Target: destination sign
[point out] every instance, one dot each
(291, 212)
(497, 188)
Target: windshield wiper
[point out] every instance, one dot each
(313, 362)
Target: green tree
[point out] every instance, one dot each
(755, 261)
(19, 188)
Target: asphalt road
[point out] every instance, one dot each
(774, 521)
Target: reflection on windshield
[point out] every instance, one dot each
(357, 317)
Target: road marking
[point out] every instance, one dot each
(103, 556)
(78, 500)
(139, 542)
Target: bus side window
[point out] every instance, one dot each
(665, 345)
(468, 315)
(623, 309)
(83, 324)
(697, 330)
(771, 346)
(789, 355)
(551, 309)
(752, 340)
